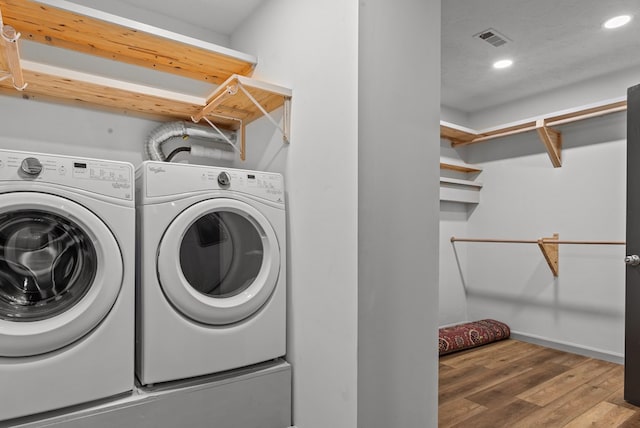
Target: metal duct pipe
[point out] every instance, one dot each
(183, 129)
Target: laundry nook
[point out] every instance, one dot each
(335, 214)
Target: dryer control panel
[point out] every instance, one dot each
(166, 179)
(109, 178)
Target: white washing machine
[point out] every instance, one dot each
(211, 274)
(67, 278)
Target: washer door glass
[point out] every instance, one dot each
(219, 261)
(47, 264)
(61, 271)
(228, 246)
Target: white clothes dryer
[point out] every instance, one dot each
(211, 282)
(67, 277)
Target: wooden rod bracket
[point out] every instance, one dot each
(548, 246)
(549, 250)
(552, 140)
(9, 43)
(229, 91)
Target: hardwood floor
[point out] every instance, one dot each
(517, 384)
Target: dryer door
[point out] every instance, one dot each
(60, 272)
(219, 261)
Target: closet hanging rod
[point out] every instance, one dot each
(536, 241)
(548, 246)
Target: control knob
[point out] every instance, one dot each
(31, 167)
(224, 179)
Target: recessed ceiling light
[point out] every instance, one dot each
(617, 21)
(503, 63)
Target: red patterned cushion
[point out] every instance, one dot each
(471, 334)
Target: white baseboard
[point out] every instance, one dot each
(570, 347)
(452, 324)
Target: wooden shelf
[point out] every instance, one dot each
(456, 133)
(458, 189)
(71, 26)
(236, 102)
(552, 138)
(458, 166)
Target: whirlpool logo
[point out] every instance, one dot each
(156, 169)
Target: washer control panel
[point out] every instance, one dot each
(109, 178)
(165, 179)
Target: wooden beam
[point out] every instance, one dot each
(552, 140)
(549, 248)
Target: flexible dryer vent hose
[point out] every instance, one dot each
(166, 131)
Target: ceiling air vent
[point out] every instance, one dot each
(493, 37)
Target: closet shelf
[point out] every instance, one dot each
(458, 189)
(71, 26)
(458, 166)
(460, 194)
(456, 133)
(457, 181)
(552, 138)
(236, 102)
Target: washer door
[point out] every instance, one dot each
(60, 272)
(219, 261)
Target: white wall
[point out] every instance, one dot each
(148, 16)
(312, 48)
(53, 128)
(399, 91)
(452, 115)
(590, 91)
(525, 198)
(452, 298)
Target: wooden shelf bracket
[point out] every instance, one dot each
(226, 101)
(549, 248)
(224, 137)
(283, 130)
(11, 53)
(552, 140)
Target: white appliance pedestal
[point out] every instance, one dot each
(253, 397)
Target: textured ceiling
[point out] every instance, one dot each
(553, 44)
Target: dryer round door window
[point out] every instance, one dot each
(54, 259)
(219, 261)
